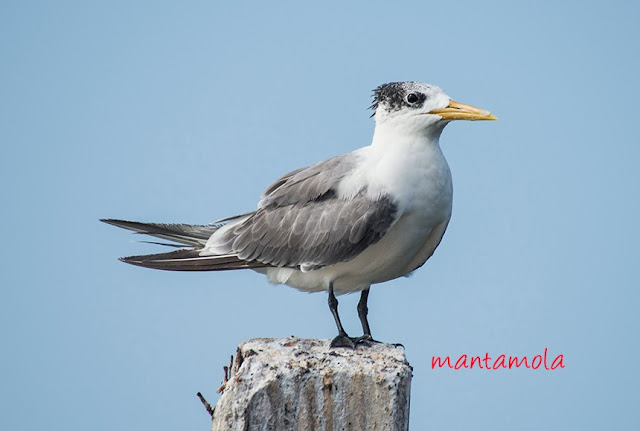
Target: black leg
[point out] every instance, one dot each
(342, 340)
(363, 310)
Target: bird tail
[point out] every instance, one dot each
(184, 234)
(185, 259)
(190, 260)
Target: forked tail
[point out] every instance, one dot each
(185, 259)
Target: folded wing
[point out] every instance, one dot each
(301, 222)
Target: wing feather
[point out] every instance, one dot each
(303, 185)
(301, 222)
(320, 233)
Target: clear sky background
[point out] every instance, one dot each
(185, 111)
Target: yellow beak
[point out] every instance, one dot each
(460, 111)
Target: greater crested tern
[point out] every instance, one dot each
(343, 224)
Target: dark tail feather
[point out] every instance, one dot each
(187, 259)
(185, 234)
(190, 260)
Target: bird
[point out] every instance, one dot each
(343, 224)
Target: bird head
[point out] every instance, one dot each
(417, 106)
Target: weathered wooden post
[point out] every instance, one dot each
(286, 384)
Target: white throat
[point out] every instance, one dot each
(403, 162)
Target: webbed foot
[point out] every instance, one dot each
(343, 340)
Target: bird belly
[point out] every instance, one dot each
(406, 246)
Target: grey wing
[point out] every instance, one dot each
(301, 222)
(320, 233)
(303, 185)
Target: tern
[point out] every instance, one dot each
(342, 224)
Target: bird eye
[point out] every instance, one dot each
(412, 98)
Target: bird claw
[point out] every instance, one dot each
(366, 340)
(343, 340)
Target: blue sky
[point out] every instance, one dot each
(141, 110)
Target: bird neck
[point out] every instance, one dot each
(406, 137)
(406, 159)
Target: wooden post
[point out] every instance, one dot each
(297, 384)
